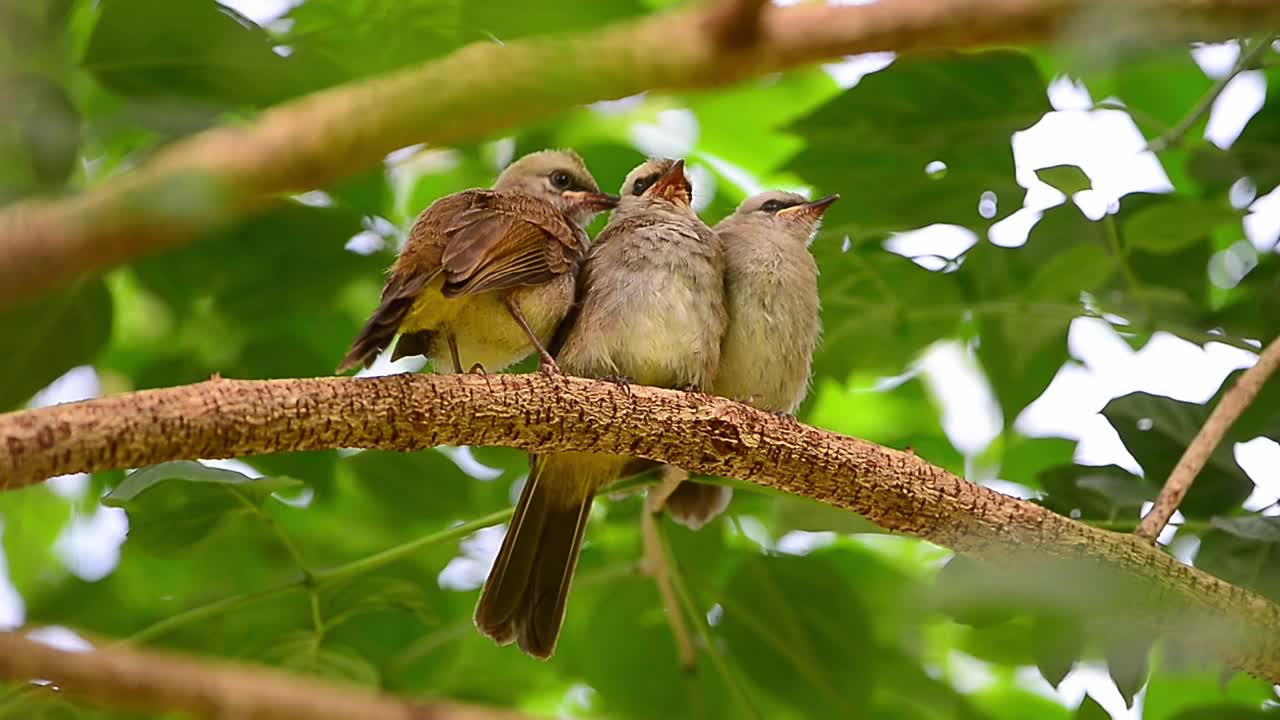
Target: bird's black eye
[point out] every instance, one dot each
(772, 206)
(643, 184)
(561, 180)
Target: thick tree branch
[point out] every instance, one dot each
(1234, 402)
(148, 680)
(229, 172)
(899, 491)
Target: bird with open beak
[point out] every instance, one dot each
(487, 275)
(651, 311)
(771, 292)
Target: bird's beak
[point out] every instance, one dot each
(673, 186)
(811, 210)
(590, 200)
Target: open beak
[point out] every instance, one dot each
(590, 200)
(673, 186)
(811, 210)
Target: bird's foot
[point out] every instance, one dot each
(477, 369)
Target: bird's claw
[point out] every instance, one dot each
(477, 369)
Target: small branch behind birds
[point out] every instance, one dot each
(735, 24)
(151, 681)
(1233, 404)
(658, 565)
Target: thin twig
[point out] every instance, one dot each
(1174, 136)
(657, 565)
(121, 677)
(699, 621)
(1233, 404)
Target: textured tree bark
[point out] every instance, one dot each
(896, 490)
(229, 172)
(149, 680)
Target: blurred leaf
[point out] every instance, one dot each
(1024, 458)
(409, 489)
(1126, 654)
(1172, 225)
(1156, 430)
(176, 504)
(1241, 560)
(200, 50)
(1224, 711)
(306, 653)
(373, 594)
(958, 591)
(1067, 179)
(39, 135)
(890, 126)
(879, 310)
(51, 334)
(31, 520)
(1090, 710)
(799, 634)
(1057, 641)
(1250, 527)
(358, 38)
(1095, 492)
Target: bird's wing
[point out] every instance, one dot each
(507, 240)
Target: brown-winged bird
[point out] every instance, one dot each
(651, 311)
(487, 275)
(771, 292)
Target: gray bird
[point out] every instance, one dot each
(652, 312)
(771, 292)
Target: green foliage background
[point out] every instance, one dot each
(329, 563)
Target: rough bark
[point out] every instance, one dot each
(228, 172)
(896, 490)
(148, 680)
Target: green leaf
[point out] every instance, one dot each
(1126, 654)
(1241, 560)
(39, 135)
(1067, 179)
(959, 592)
(1171, 226)
(1223, 711)
(374, 594)
(799, 634)
(1156, 430)
(1057, 642)
(956, 108)
(31, 520)
(50, 335)
(199, 50)
(304, 652)
(879, 310)
(420, 488)
(177, 504)
(1250, 527)
(1095, 492)
(1090, 710)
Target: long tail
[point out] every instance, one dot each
(398, 297)
(524, 598)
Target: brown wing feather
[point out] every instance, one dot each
(508, 240)
(417, 264)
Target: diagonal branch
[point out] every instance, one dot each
(229, 172)
(1234, 402)
(735, 24)
(157, 681)
(896, 490)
